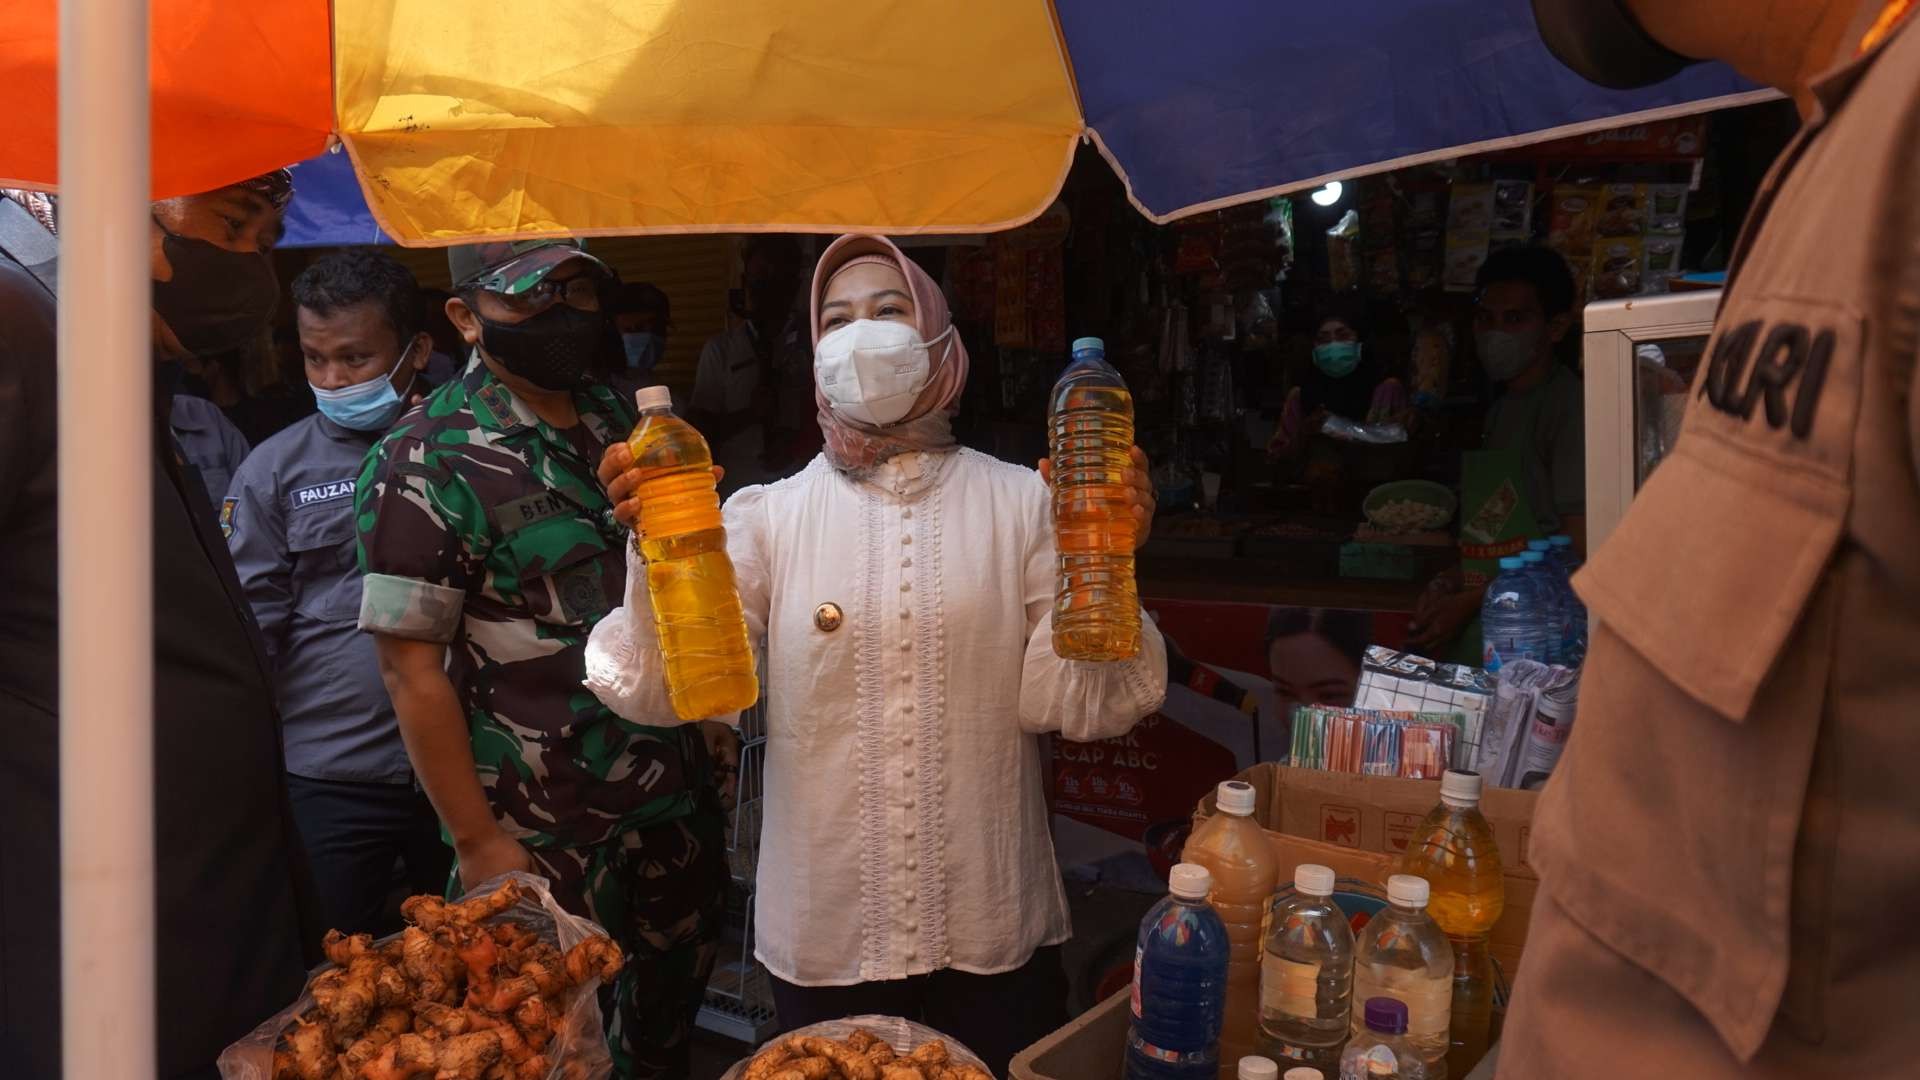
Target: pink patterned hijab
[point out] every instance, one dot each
(857, 448)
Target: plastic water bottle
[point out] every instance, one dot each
(1245, 872)
(1096, 612)
(1454, 850)
(1179, 984)
(1534, 561)
(1306, 979)
(1516, 618)
(1382, 1050)
(1569, 561)
(1563, 550)
(1403, 955)
(696, 606)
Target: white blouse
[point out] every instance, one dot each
(905, 826)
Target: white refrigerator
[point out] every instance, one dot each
(1640, 356)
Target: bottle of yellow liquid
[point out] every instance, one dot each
(696, 607)
(1245, 873)
(1096, 611)
(1454, 850)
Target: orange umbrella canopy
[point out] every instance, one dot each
(238, 89)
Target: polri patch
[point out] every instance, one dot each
(226, 516)
(321, 493)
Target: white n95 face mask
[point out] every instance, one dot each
(872, 371)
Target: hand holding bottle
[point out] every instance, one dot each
(1140, 487)
(623, 484)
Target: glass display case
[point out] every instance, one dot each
(1639, 359)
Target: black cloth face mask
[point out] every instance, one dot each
(554, 350)
(217, 299)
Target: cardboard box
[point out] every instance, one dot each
(1093, 1046)
(1359, 826)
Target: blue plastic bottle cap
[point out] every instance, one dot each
(1530, 557)
(1510, 562)
(1539, 545)
(1560, 540)
(1088, 344)
(1387, 1015)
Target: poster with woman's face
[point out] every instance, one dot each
(1313, 654)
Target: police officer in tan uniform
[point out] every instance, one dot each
(1729, 854)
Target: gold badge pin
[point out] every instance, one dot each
(828, 617)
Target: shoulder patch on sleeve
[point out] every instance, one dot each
(227, 506)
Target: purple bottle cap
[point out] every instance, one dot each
(1387, 1015)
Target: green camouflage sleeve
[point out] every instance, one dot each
(418, 525)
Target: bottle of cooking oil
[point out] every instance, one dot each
(696, 607)
(1096, 612)
(1245, 871)
(1454, 850)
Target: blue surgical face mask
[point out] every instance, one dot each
(1337, 359)
(642, 348)
(369, 406)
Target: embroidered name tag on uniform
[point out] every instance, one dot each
(321, 493)
(520, 513)
(1783, 377)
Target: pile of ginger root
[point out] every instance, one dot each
(862, 1055)
(452, 998)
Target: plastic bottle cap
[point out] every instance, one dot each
(1258, 1068)
(1408, 890)
(652, 397)
(1387, 1015)
(1539, 545)
(1302, 1072)
(1235, 797)
(1531, 557)
(1510, 562)
(1460, 786)
(1313, 879)
(1560, 540)
(1088, 343)
(1191, 881)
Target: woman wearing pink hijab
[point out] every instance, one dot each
(903, 588)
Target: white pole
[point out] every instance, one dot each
(106, 560)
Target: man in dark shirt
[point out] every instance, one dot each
(232, 897)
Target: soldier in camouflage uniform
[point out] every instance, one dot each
(490, 551)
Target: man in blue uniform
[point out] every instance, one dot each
(288, 519)
(208, 441)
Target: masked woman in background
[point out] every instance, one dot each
(903, 587)
(1345, 381)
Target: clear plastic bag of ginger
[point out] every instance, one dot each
(862, 1048)
(500, 985)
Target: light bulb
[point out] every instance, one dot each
(1328, 195)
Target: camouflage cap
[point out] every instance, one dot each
(511, 267)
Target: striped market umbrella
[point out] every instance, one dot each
(460, 120)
